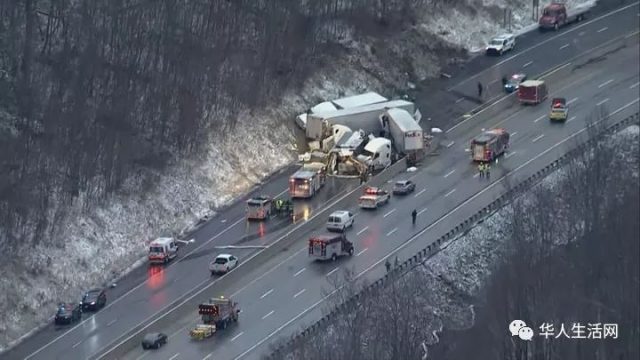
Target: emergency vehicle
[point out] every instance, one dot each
(489, 145)
(162, 250)
(373, 197)
(559, 110)
(259, 208)
(532, 92)
(330, 246)
(305, 183)
(217, 314)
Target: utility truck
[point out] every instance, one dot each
(217, 314)
(330, 246)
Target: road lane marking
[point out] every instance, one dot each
(389, 213)
(527, 64)
(419, 193)
(540, 118)
(449, 193)
(76, 344)
(363, 230)
(418, 235)
(332, 271)
(299, 293)
(564, 46)
(602, 102)
(299, 272)
(269, 314)
(572, 101)
(111, 322)
(266, 294)
(449, 173)
(421, 211)
(514, 133)
(537, 138)
(603, 29)
(362, 251)
(451, 144)
(605, 83)
(634, 85)
(235, 337)
(571, 119)
(174, 356)
(632, 34)
(459, 100)
(392, 231)
(476, 175)
(208, 356)
(510, 154)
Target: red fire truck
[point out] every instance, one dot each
(489, 145)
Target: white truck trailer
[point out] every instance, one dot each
(348, 102)
(406, 133)
(363, 117)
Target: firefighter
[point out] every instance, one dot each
(414, 214)
(481, 169)
(278, 205)
(487, 170)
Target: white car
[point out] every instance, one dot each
(501, 44)
(223, 263)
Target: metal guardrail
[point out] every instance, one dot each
(433, 248)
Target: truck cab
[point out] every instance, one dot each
(376, 154)
(331, 246)
(162, 250)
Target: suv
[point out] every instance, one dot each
(222, 264)
(501, 44)
(403, 187)
(93, 299)
(68, 313)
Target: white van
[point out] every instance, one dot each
(162, 250)
(340, 220)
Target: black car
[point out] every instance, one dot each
(68, 313)
(154, 340)
(403, 187)
(93, 300)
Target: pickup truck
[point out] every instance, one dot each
(373, 198)
(556, 15)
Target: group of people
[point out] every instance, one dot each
(484, 169)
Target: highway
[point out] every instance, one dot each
(273, 300)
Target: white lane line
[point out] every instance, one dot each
(602, 102)
(451, 144)
(332, 271)
(449, 193)
(527, 64)
(571, 119)
(362, 251)
(266, 294)
(76, 344)
(208, 356)
(572, 101)
(419, 193)
(421, 211)
(174, 356)
(564, 46)
(389, 213)
(634, 85)
(540, 118)
(459, 100)
(537, 138)
(363, 230)
(111, 322)
(449, 173)
(605, 83)
(299, 272)
(419, 235)
(603, 29)
(232, 339)
(514, 133)
(299, 293)
(392, 231)
(476, 175)
(510, 154)
(268, 314)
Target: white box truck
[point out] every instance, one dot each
(348, 102)
(406, 133)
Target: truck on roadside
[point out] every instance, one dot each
(373, 197)
(406, 133)
(329, 247)
(556, 15)
(348, 102)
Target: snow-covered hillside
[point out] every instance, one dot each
(106, 241)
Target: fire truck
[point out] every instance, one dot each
(489, 145)
(305, 183)
(373, 197)
(330, 246)
(217, 314)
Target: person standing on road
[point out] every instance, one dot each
(387, 264)
(479, 89)
(488, 170)
(481, 169)
(414, 214)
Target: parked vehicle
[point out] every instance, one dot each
(556, 15)
(340, 220)
(162, 250)
(68, 313)
(373, 197)
(219, 312)
(93, 300)
(489, 145)
(305, 183)
(513, 83)
(559, 110)
(532, 92)
(376, 154)
(325, 247)
(403, 187)
(259, 208)
(406, 133)
(348, 102)
(501, 44)
(222, 264)
(154, 340)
